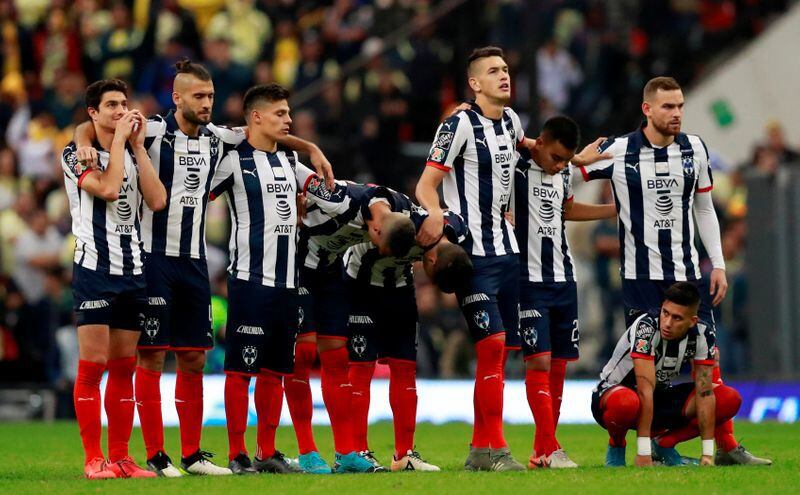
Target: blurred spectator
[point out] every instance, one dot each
(57, 49)
(776, 143)
(247, 29)
(558, 75)
(229, 76)
(37, 251)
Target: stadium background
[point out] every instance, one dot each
(371, 81)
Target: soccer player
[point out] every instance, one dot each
(383, 324)
(336, 219)
(661, 178)
(473, 157)
(261, 183)
(108, 283)
(636, 390)
(185, 148)
(549, 331)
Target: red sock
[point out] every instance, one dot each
(189, 403)
(478, 428)
(86, 398)
(237, 400)
(119, 404)
(558, 372)
(147, 385)
(337, 392)
(489, 388)
(298, 396)
(403, 400)
(269, 401)
(620, 413)
(728, 402)
(537, 386)
(724, 432)
(360, 378)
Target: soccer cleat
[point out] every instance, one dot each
(667, 456)
(370, 457)
(97, 469)
(126, 468)
(162, 465)
(502, 460)
(540, 462)
(739, 456)
(352, 463)
(412, 461)
(276, 463)
(615, 456)
(313, 463)
(241, 465)
(200, 463)
(560, 460)
(478, 460)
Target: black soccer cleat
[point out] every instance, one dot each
(277, 464)
(241, 465)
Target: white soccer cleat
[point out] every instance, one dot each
(412, 461)
(200, 463)
(162, 465)
(560, 460)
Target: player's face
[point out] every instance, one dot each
(195, 100)
(553, 156)
(665, 111)
(271, 119)
(489, 77)
(675, 320)
(113, 105)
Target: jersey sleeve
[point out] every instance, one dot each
(74, 170)
(304, 176)
(705, 180)
(330, 202)
(450, 139)
(223, 177)
(228, 135)
(569, 194)
(519, 131)
(602, 169)
(706, 345)
(643, 333)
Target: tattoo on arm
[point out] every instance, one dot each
(706, 393)
(704, 381)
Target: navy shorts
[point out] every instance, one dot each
(262, 328)
(119, 301)
(642, 296)
(323, 302)
(548, 319)
(491, 303)
(383, 323)
(668, 405)
(178, 304)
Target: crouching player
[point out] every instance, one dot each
(635, 389)
(383, 323)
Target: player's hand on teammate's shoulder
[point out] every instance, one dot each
(591, 154)
(87, 156)
(643, 461)
(323, 167)
(431, 229)
(463, 106)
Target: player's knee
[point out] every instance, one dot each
(191, 361)
(728, 402)
(623, 404)
(329, 344)
(152, 360)
(538, 363)
(400, 368)
(491, 349)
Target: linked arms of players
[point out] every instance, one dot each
(315, 155)
(706, 406)
(428, 196)
(645, 371)
(578, 212)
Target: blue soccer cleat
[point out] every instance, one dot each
(666, 455)
(314, 464)
(352, 463)
(615, 456)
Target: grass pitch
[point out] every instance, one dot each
(47, 458)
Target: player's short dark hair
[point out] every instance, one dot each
(186, 66)
(483, 52)
(95, 91)
(266, 92)
(400, 236)
(453, 268)
(683, 294)
(564, 130)
(663, 83)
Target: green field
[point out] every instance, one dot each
(41, 458)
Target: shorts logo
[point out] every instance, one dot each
(249, 355)
(472, 298)
(301, 316)
(151, 327)
(437, 154)
(302, 291)
(359, 344)
(444, 140)
(156, 301)
(530, 313)
(94, 304)
(530, 336)
(360, 320)
(250, 330)
(481, 319)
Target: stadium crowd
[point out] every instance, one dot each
(590, 64)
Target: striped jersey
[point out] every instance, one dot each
(539, 200)
(479, 155)
(185, 165)
(365, 264)
(107, 233)
(654, 192)
(643, 340)
(336, 220)
(262, 192)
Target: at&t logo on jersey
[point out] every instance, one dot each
(284, 210)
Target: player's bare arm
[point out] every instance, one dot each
(582, 212)
(84, 135)
(706, 405)
(153, 191)
(645, 371)
(428, 197)
(590, 154)
(105, 184)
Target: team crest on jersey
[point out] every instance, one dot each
(359, 344)
(530, 336)
(249, 355)
(481, 319)
(317, 187)
(688, 166)
(444, 140)
(75, 166)
(437, 154)
(151, 327)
